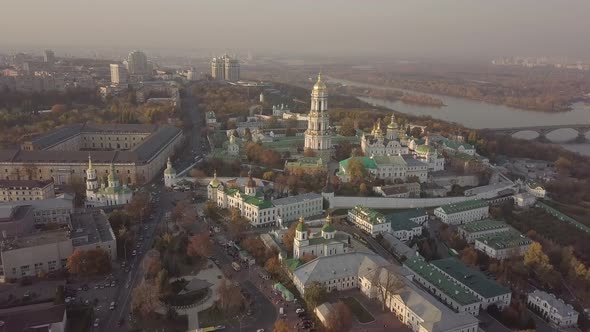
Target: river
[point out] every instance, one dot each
(478, 115)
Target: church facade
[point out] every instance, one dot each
(325, 243)
(112, 193)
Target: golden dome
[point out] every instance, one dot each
(214, 183)
(319, 85)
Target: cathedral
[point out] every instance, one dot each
(325, 243)
(317, 136)
(111, 193)
(390, 142)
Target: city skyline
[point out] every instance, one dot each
(423, 28)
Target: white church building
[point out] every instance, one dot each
(327, 242)
(112, 193)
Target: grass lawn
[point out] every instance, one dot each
(357, 309)
(79, 318)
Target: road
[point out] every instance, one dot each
(163, 202)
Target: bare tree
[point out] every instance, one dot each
(340, 318)
(387, 284)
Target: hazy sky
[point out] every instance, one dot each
(397, 27)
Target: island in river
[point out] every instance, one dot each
(391, 95)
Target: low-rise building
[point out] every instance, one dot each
(480, 228)
(552, 309)
(503, 245)
(404, 190)
(535, 188)
(25, 190)
(525, 200)
(369, 220)
(462, 212)
(485, 289)
(325, 243)
(403, 228)
(54, 210)
(259, 210)
(459, 147)
(418, 215)
(34, 317)
(442, 286)
(306, 165)
(16, 220)
(47, 251)
(388, 168)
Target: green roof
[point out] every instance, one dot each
(563, 217)
(483, 225)
(366, 161)
(402, 224)
(471, 278)
(252, 200)
(301, 226)
(328, 228)
(389, 160)
(292, 263)
(408, 214)
(505, 240)
(370, 215)
(423, 149)
(445, 284)
(464, 206)
(456, 145)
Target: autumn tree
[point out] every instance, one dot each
(469, 256)
(356, 171)
(307, 257)
(211, 210)
(162, 282)
(347, 127)
(154, 265)
(340, 318)
(229, 296)
(199, 246)
(269, 175)
(309, 152)
(273, 266)
(139, 206)
(315, 294)
(281, 325)
(289, 237)
(144, 299)
(89, 262)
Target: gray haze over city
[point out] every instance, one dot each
(381, 27)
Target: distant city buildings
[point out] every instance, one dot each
(118, 73)
(225, 68)
(137, 63)
(49, 57)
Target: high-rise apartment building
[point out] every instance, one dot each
(137, 63)
(225, 68)
(118, 74)
(49, 56)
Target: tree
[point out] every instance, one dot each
(289, 237)
(269, 175)
(59, 295)
(281, 325)
(230, 297)
(211, 210)
(58, 108)
(340, 319)
(535, 257)
(238, 225)
(356, 171)
(469, 256)
(387, 284)
(89, 262)
(272, 122)
(162, 282)
(273, 266)
(144, 299)
(309, 152)
(347, 127)
(154, 265)
(139, 206)
(315, 294)
(416, 132)
(307, 257)
(199, 246)
(197, 173)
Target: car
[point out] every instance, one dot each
(113, 305)
(96, 286)
(96, 322)
(133, 253)
(113, 284)
(260, 330)
(299, 310)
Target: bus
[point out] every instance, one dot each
(236, 266)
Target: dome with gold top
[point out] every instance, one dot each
(319, 85)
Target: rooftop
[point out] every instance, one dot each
(296, 199)
(401, 224)
(505, 240)
(463, 206)
(24, 184)
(562, 308)
(483, 225)
(370, 215)
(367, 162)
(445, 284)
(24, 318)
(469, 277)
(456, 145)
(408, 214)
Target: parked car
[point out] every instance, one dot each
(96, 322)
(300, 310)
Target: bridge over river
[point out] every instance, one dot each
(543, 131)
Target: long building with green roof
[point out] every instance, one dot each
(503, 245)
(445, 288)
(480, 228)
(487, 290)
(462, 212)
